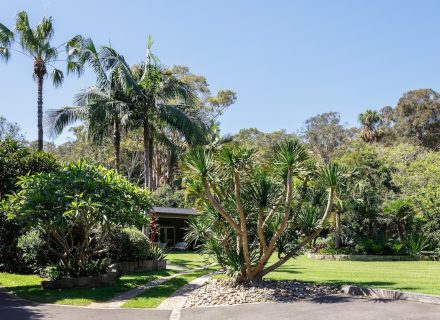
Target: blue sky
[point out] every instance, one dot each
(287, 60)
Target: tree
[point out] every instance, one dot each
(34, 44)
(324, 134)
(100, 106)
(16, 161)
(162, 101)
(77, 208)
(369, 120)
(417, 116)
(249, 207)
(9, 130)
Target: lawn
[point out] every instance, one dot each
(187, 260)
(155, 296)
(28, 286)
(416, 276)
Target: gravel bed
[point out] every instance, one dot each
(226, 292)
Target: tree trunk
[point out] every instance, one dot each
(338, 240)
(146, 155)
(40, 112)
(151, 162)
(117, 143)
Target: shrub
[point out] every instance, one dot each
(416, 243)
(33, 251)
(128, 244)
(77, 207)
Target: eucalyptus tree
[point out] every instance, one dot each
(252, 208)
(369, 120)
(34, 43)
(103, 106)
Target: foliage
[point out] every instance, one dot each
(249, 205)
(34, 251)
(165, 196)
(369, 120)
(10, 130)
(35, 43)
(127, 244)
(16, 160)
(324, 133)
(77, 208)
(416, 243)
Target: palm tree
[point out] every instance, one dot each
(162, 103)
(369, 120)
(34, 44)
(102, 106)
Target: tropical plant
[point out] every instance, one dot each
(35, 44)
(76, 208)
(161, 103)
(369, 120)
(249, 208)
(416, 243)
(102, 106)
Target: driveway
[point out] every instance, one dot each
(336, 307)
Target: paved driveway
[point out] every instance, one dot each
(331, 308)
(339, 307)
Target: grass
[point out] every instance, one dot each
(187, 260)
(153, 297)
(415, 276)
(28, 287)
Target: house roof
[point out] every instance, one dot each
(175, 211)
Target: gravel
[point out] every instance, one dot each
(226, 292)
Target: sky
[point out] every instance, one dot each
(287, 60)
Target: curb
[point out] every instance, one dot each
(390, 294)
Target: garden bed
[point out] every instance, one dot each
(227, 292)
(108, 279)
(367, 257)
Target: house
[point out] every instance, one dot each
(171, 224)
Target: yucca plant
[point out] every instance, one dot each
(252, 209)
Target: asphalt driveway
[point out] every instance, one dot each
(335, 307)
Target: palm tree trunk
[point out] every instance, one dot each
(146, 154)
(40, 112)
(117, 143)
(151, 162)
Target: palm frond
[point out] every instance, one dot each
(58, 119)
(57, 77)
(180, 121)
(44, 30)
(6, 36)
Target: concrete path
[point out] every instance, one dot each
(118, 301)
(329, 308)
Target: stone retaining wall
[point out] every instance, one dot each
(108, 279)
(366, 257)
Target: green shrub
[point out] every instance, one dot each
(155, 253)
(77, 207)
(33, 250)
(416, 243)
(128, 244)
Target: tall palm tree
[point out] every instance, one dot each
(34, 43)
(163, 102)
(369, 120)
(102, 106)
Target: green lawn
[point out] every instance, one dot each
(28, 287)
(187, 260)
(416, 276)
(155, 296)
